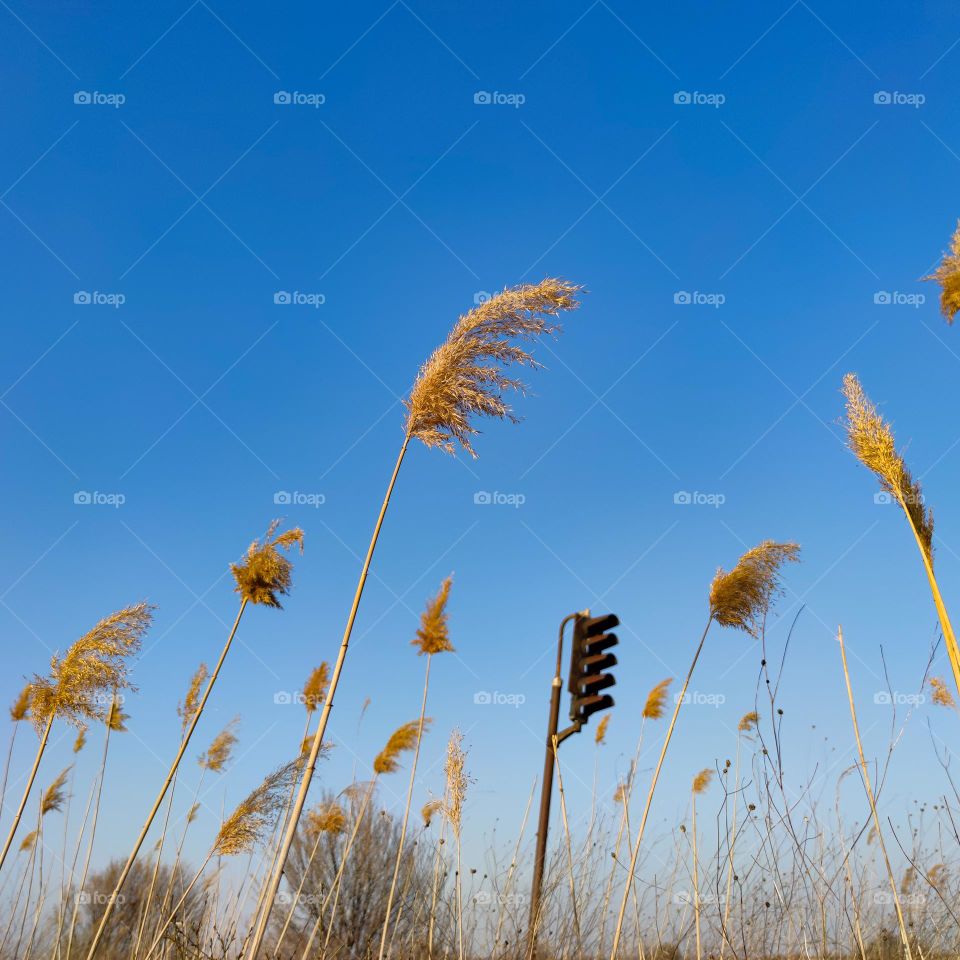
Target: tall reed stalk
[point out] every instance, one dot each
(461, 380)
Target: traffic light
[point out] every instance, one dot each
(588, 663)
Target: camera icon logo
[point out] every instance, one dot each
(282, 297)
(282, 97)
(682, 296)
(81, 96)
(682, 97)
(82, 297)
(481, 296)
(82, 497)
(282, 698)
(482, 697)
(482, 96)
(882, 297)
(282, 497)
(682, 497)
(882, 97)
(481, 498)
(882, 497)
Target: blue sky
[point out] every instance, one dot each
(782, 202)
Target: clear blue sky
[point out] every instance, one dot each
(796, 201)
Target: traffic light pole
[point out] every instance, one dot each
(546, 789)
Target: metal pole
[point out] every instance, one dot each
(546, 792)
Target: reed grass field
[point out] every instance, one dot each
(277, 688)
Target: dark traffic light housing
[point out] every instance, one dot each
(589, 661)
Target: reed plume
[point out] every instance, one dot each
(28, 841)
(702, 780)
(940, 694)
(402, 740)
(264, 573)
(216, 757)
(81, 739)
(433, 634)
(429, 810)
(315, 689)
(456, 792)
(870, 438)
(656, 703)
(948, 276)
(327, 818)
(700, 783)
(81, 684)
(19, 711)
(460, 382)
(54, 797)
(600, 735)
(187, 708)
(748, 722)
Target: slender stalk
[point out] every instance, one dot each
(183, 899)
(26, 791)
(124, 873)
(566, 832)
(406, 811)
(653, 786)
(6, 767)
(513, 868)
(873, 803)
(696, 876)
(730, 846)
(295, 814)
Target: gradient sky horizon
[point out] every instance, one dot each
(750, 199)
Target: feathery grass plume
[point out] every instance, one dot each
(748, 722)
(937, 875)
(187, 708)
(192, 813)
(81, 740)
(28, 841)
(741, 598)
(55, 795)
(940, 694)
(870, 438)
(620, 794)
(453, 769)
(254, 815)
(264, 573)
(402, 739)
(657, 700)
(429, 809)
(315, 689)
(433, 635)
(600, 736)
(20, 708)
(81, 682)
(327, 818)
(948, 276)
(702, 780)
(463, 378)
(116, 718)
(218, 754)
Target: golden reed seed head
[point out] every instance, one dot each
(702, 780)
(20, 708)
(187, 708)
(117, 718)
(315, 689)
(601, 733)
(656, 703)
(401, 740)
(748, 722)
(81, 740)
(620, 794)
(55, 795)
(742, 597)
(433, 636)
(948, 276)
(28, 841)
(870, 438)
(327, 818)
(940, 693)
(937, 875)
(429, 809)
(218, 754)
(263, 574)
(82, 682)
(463, 378)
(457, 781)
(251, 820)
